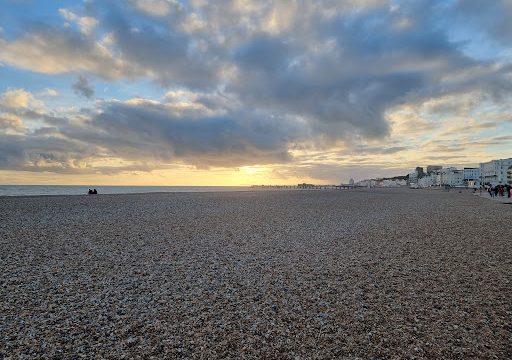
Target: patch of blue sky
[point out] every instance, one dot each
(473, 42)
(17, 15)
(128, 89)
(14, 78)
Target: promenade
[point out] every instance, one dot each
(501, 199)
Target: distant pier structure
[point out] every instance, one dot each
(305, 186)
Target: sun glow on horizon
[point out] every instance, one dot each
(252, 92)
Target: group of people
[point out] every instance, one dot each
(93, 192)
(499, 190)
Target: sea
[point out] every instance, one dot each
(36, 190)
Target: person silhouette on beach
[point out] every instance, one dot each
(90, 192)
(95, 192)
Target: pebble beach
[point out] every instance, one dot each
(353, 274)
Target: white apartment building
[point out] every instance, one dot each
(450, 176)
(495, 171)
(471, 176)
(413, 178)
(454, 178)
(367, 183)
(393, 183)
(427, 181)
(471, 173)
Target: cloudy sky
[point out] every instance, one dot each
(237, 92)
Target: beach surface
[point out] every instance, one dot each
(373, 273)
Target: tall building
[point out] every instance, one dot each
(419, 172)
(427, 181)
(495, 171)
(471, 175)
(450, 176)
(432, 168)
(454, 178)
(413, 177)
(509, 175)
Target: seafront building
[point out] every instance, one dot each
(413, 177)
(453, 177)
(449, 176)
(433, 168)
(391, 183)
(494, 172)
(471, 175)
(427, 181)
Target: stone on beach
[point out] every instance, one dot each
(381, 273)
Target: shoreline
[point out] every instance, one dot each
(235, 189)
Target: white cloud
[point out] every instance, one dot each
(85, 23)
(19, 99)
(52, 51)
(49, 92)
(156, 7)
(11, 123)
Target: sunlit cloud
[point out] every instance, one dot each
(276, 90)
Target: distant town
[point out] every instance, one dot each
(491, 173)
(494, 172)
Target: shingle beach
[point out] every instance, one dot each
(374, 273)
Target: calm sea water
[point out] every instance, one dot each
(24, 190)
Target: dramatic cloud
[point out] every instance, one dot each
(241, 83)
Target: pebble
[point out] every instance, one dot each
(356, 274)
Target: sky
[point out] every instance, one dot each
(239, 92)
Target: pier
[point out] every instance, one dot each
(305, 186)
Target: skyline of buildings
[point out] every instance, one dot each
(493, 172)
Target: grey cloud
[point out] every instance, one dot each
(83, 88)
(329, 76)
(161, 50)
(491, 17)
(51, 50)
(155, 135)
(48, 152)
(379, 150)
(225, 140)
(346, 89)
(11, 152)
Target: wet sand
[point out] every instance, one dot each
(381, 273)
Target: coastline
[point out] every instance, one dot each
(77, 190)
